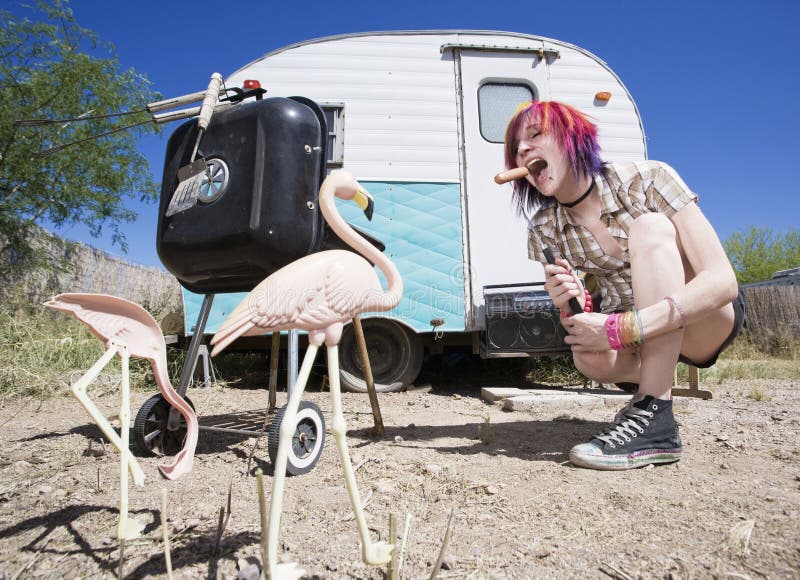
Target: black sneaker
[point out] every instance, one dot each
(644, 432)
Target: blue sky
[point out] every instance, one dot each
(716, 83)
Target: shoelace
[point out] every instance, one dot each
(630, 422)
(620, 416)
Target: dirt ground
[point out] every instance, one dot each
(729, 509)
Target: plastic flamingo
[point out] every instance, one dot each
(319, 293)
(130, 331)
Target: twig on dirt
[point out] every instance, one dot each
(756, 570)
(224, 516)
(738, 540)
(351, 516)
(99, 489)
(262, 505)
(121, 557)
(391, 567)
(615, 573)
(184, 531)
(17, 412)
(258, 437)
(253, 451)
(485, 430)
(31, 561)
(220, 527)
(165, 531)
(403, 544)
(475, 572)
(360, 464)
(445, 542)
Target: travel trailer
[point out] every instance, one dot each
(419, 118)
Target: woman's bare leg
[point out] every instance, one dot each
(644, 431)
(656, 272)
(609, 366)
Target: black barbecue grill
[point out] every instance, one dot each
(257, 208)
(232, 212)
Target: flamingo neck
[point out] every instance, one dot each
(159, 364)
(328, 207)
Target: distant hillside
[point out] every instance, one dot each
(92, 270)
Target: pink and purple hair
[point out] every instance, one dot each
(571, 129)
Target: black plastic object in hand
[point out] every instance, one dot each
(574, 305)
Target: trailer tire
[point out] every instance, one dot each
(395, 355)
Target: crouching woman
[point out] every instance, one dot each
(667, 290)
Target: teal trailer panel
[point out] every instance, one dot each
(420, 224)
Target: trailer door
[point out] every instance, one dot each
(494, 82)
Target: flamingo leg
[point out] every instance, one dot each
(78, 389)
(288, 425)
(373, 553)
(128, 528)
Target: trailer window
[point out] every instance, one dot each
(334, 118)
(496, 103)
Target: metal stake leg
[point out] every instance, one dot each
(291, 366)
(373, 394)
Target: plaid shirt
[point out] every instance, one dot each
(627, 190)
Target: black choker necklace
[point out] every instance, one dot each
(581, 198)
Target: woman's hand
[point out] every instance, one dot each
(587, 332)
(561, 284)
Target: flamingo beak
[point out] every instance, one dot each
(365, 202)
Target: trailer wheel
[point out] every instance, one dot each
(395, 356)
(307, 440)
(150, 433)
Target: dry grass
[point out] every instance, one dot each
(780, 343)
(555, 370)
(759, 394)
(43, 353)
(772, 355)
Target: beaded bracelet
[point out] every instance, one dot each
(678, 308)
(588, 306)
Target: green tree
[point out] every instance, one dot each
(49, 69)
(759, 252)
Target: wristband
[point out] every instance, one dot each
(674, 303)
(624, 330)
(612, 331)
(631, 332)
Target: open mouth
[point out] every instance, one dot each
(536, 168)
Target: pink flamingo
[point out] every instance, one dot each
(128, 330)
(319, 293)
